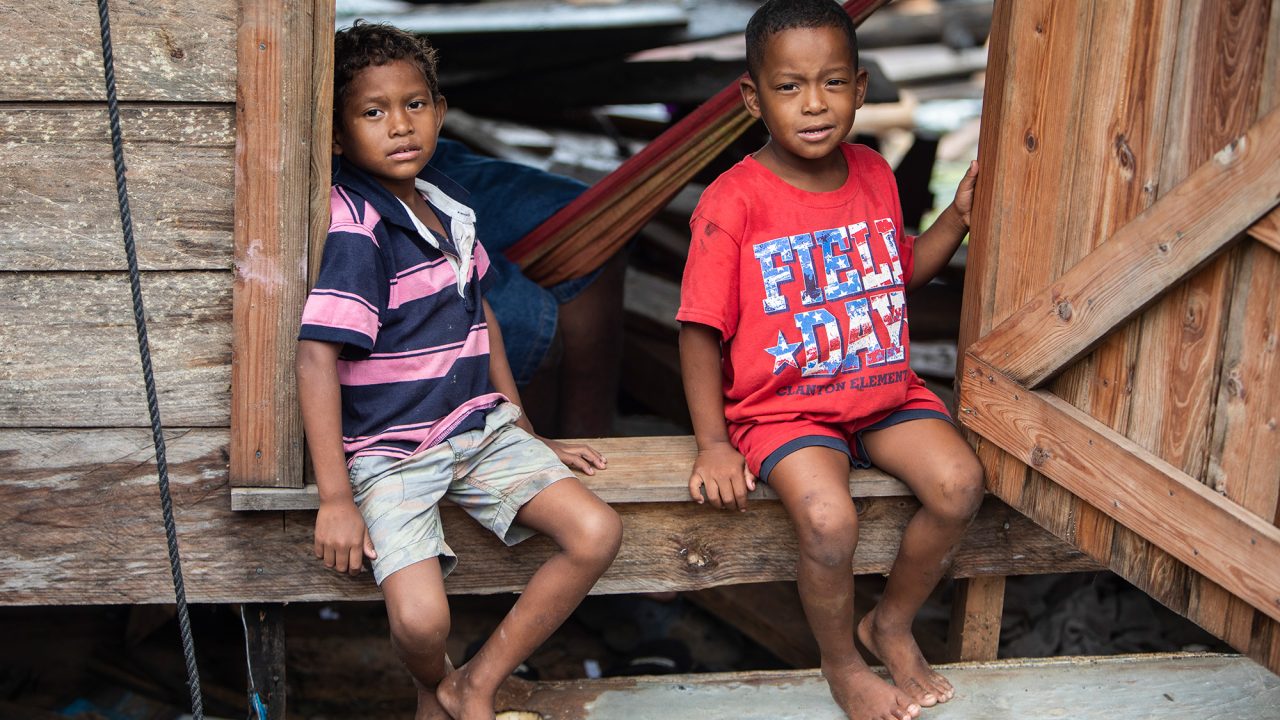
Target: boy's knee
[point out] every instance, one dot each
(963, 491)
(420, 632)
(827, 534)
(597, 537)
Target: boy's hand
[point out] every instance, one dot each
(577, 456)
(341, 537)
(722, 472)
(964, 194)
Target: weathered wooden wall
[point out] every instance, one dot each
(1095, 110)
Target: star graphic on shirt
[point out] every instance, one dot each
(784, 354)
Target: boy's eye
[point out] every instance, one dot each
(372, 113)
(837, 81)
(787, 87)
(416, 104)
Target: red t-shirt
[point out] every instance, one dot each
(807, 291)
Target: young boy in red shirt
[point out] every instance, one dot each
(407, 397)
(794, 350)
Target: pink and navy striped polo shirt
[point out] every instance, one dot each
(414, 364)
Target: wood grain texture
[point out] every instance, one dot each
(80, 524)
(60, 211)
(1213, 535)
(1267, 230)
(641, 470)
(976, 611)
(272, 220)
(1182, 336)
(71, 349)
(321, 132)
(173, 51)
(1179, 233)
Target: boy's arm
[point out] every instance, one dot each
(579, 456)
(935, 246)
(341, 534)
(719, 468)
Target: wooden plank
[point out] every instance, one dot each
(272, 217)
(173, 51)
(769, 613)
(1175, 236)
(80, 524)
(61, 210)
(321, 132)
(71, 349)
(641, 470)
(1222, 50)
(1153, 687)
(265, 641)
(1213, 536)
(976, 611)
(1267, 230)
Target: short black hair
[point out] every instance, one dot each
(364, 44)
(777, 15)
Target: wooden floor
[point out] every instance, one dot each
(1139, 687)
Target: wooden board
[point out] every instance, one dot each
(1212, 535)
(174, 51)
(1152, 687)
(272, 219)
(641, 470)
(80, 524)
(71, 350)
(61, 211)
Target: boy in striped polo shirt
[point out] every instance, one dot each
(407, 396)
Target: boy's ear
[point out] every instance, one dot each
(337, 139)
(442, 106)
(750, 95)
(860, 81)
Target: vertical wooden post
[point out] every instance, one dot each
(273, 157)
(975, 618)
(321, 131)
(264, 628)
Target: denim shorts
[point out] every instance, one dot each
(490, 473)
(510, 201)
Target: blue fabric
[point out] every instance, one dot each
(510, 201)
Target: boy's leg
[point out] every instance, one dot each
(947, 479)
(419, 615)
(588, 533)
(813, 483)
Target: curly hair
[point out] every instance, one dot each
(777, 15)
(364, 44)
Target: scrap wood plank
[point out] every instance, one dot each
(71, 498)
(272, 220)
(1177, 234)
(1220, 48)
(1154, 687)
(61, 211)
(1213, 535)
(71, 349)
(1267, 229)
(172, 51)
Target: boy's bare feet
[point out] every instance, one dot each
(862, 695)
(461, 700)
(897, 649)
(428, 707)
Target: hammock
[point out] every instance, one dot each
(584, 234)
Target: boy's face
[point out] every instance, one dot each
(389, 124)
(807, 90)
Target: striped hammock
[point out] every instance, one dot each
(584, 234)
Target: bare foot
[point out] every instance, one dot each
(460, 700)
(897, 649)
(428, 707)
(862, 695)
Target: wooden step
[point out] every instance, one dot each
(1178, 686)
